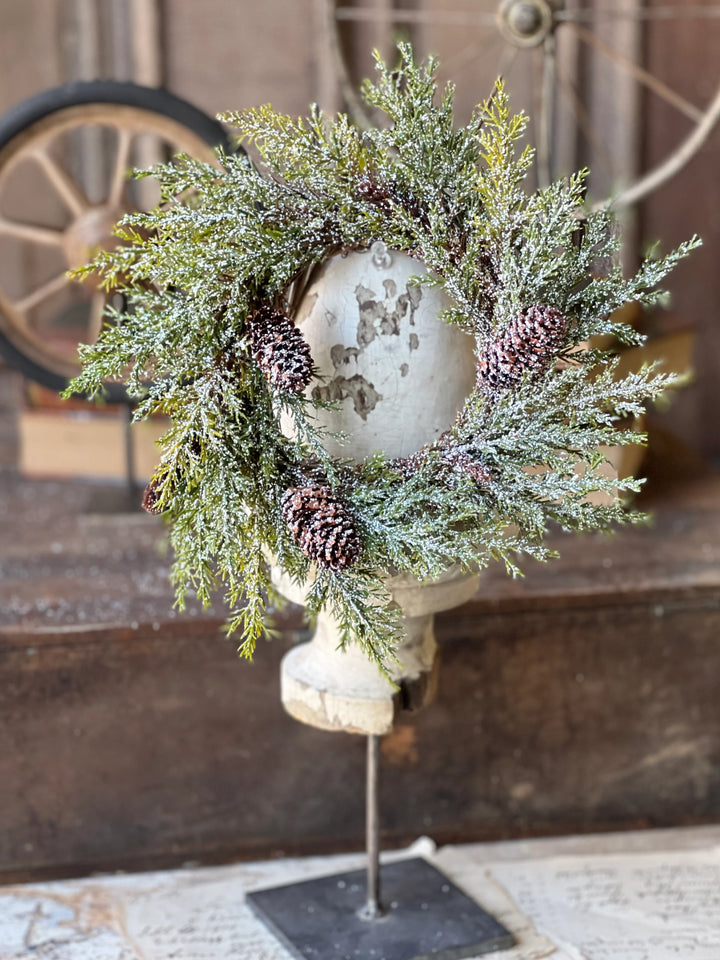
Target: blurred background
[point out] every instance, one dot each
(580, 700)
(629, 88)
(625, 87)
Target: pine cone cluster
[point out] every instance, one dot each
(451, 457)
(410, 203)
(164, 475)
(408, 466)
(321, 526)
(279, 349)
(527, 346)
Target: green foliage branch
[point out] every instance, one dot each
(227, 240)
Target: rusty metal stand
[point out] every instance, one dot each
(422, 915)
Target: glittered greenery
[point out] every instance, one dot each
(236, 241)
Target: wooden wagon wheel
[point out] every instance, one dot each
(65, 158)
(537, 45)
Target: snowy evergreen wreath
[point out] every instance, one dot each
(208, 339)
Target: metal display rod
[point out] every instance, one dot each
(342, 917)
(373, 907)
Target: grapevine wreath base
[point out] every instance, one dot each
(212, 279)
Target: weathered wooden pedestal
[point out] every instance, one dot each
(398, 375)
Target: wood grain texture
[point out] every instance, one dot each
(580, 699)
(684, 55)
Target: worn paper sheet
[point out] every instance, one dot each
(194, 914)
(643, 906)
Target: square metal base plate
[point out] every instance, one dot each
(426, 917)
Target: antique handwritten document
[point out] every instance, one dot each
(647, 906)
(584, 906)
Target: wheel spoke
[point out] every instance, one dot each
(507, 60)
(122, 163)
(470, 54)
(582, 116)
(28, 231)
(383, 24)
(355, 106)
(66, 188)
(446, 18)
(647, 13)
(676, 161)
(48, 289)
(641, 75)
(544, 140)
(76, 157)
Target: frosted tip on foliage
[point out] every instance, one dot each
(279, 349)
(527, 346)
(321, 526)
(459, 459)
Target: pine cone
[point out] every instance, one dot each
(279, 349)
(410, 465)
(461, 460)
(527, 346)
(321, 527)
(453, 457)
(410, 203)
(385, 197)
(373, 192)
(151, 495)
(407, 467)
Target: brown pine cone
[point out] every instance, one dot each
(279, 349)
(373, 192)
(460, 460)
(454, 458)
(151, 495)
(321, 526)
(527, 346)
(410, 203)
(408, 466)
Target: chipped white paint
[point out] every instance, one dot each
(398, 373)
(336, 689)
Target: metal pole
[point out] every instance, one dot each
(373, 908)
(547, 109)
(129, 454)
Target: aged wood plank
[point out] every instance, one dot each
(164, 748)
(579, 699)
